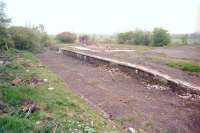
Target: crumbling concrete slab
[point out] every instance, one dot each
(137, 70)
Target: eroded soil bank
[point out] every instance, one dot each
(133, 103)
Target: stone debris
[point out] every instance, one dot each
(185, 96)
(16, 81)
(1, 62)
(28, 107)
(33, 81)
(131, 130)
(45, 80)
(40, 65)
(51, 88)
(59, 51)
(37, 122)
(189, 96)
(27, 70)
(5, 62)
(156, 87)
(25, 64)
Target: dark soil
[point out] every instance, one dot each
(126, 99)
(184, 52)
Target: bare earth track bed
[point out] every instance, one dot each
(131, 102)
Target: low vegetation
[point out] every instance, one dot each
(66, 37)
(137, 37)
(32, 39)
(159, 37)
(25, 38)
(182, 64)
(186, 66)
(22, 86)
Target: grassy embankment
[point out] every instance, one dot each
(57, 110)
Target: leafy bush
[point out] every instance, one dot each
(31, 39)
(142, 37)
(24, 38)
(161, 37)
(137, 37)
(126, 37)
(66, 37)
(184, 39)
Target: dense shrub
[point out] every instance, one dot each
(126, 37)
(161, 37)
(31, 39)
(66, 37)
(142, 37)
(24, 38)
(184, 39)
(137, 37)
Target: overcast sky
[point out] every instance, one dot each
(106, 16)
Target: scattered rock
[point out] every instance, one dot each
(136, 71)
(131, 130)
(40, 65)
(1, 62)
(59, 51)
(17, 81)
(45, 80)
(186, 96)
(156, 87)
(25, 64)
(33, 81)
(27, 70)
(3, 107)
(37, 122)
(7, 62)
(51, 88)
(4, 62)
(28, 107)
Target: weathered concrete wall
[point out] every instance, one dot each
(137, 71)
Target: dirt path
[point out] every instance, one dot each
(125, 99)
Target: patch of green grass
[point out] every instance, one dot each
(60, 110)
(186, 66)
(9, 124)
(14, 95)
(182, 64)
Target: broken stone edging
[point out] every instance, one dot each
(137, 70)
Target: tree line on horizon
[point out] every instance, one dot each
(25, 38)
(158, 37)
(36, 38)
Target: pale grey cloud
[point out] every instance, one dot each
(105, 16)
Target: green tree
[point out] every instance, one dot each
(184, 39)
(32, 39)
(161, 37)
(24, 38)
(125, 37)
(66, 37)
(137, 37)
(5, 40)
(142, 37)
